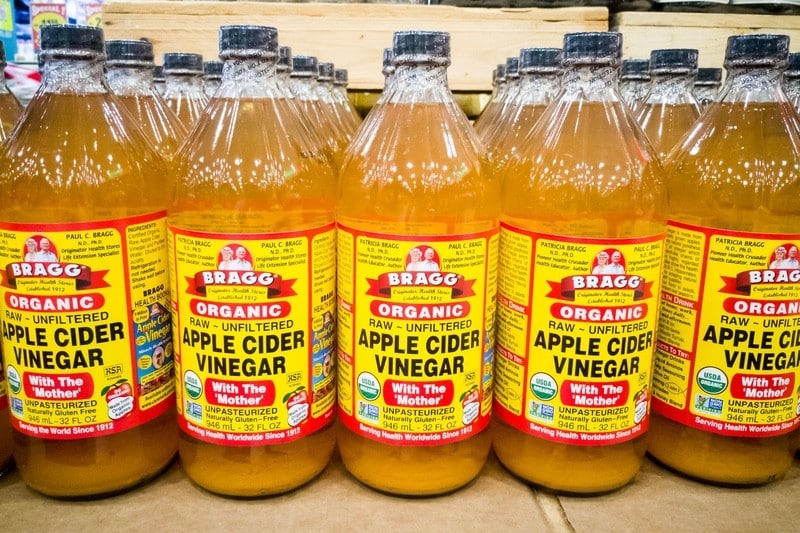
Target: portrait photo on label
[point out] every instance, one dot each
(234, 257)
(608, 261)
(39, 249)
(784, 257)
(423, 258)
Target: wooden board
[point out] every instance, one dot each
(707, 32)
(353, 36)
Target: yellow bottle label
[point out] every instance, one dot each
(86, 326)
(416, 335)
(255, 334)
(728, 348)
(576, 321)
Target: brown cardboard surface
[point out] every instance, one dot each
(657, 500)
(333, 502)
(660, 500)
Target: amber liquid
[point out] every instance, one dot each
(165, 132)
(745, 179)
(6, 442)
(50, 176)
(281, 185)
(10, 111)
(320, 122)
(666, 125)
(588, 184)
(507, 138)
(442, 193)
(188, 109)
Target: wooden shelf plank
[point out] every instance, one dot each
(354, 35)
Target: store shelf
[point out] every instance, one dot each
(707, 32)
(657, 500)
(354, 35)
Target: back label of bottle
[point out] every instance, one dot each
(576, 321)
(86, 326)
(416, 319)
(255, 334)
(728, 348)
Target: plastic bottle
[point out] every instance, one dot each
(540, 80)
(10, 111)
(284, 69)
(707, 85)
(725, 397)
(583, 221)
(159, 81)
(417, 229)
(634, 81)
(487, 124)
(253, 281)
(84, 226)
(670, 109)
(183, 88)
(129, 71)
(340, 81)
(342, 121)
(495, 99)
(303, 84)
(791, 80)
(212, 77)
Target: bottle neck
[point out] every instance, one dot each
(74, 76)
(250, 77)
(303, 87)
(671, 87)
(753, 84)
(538, 87)
(325, 90)
(130, 81)
(184, 81)
(3, 86)
(592, 83)
(414, 82)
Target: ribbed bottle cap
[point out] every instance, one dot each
(757, 50)
(673, 59)
(592, 48)
(213, 69)
(708, 76)
(248, 41)
(183, 63)
(121, 51)
(635, 69)
(387, 66)
(512, 67)
(341, 76)
(326, 71)
(304, 66)
(284, 58)
(793, 66)
(539, 59)
(71, 37)
(501, 73)
(421, 47)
